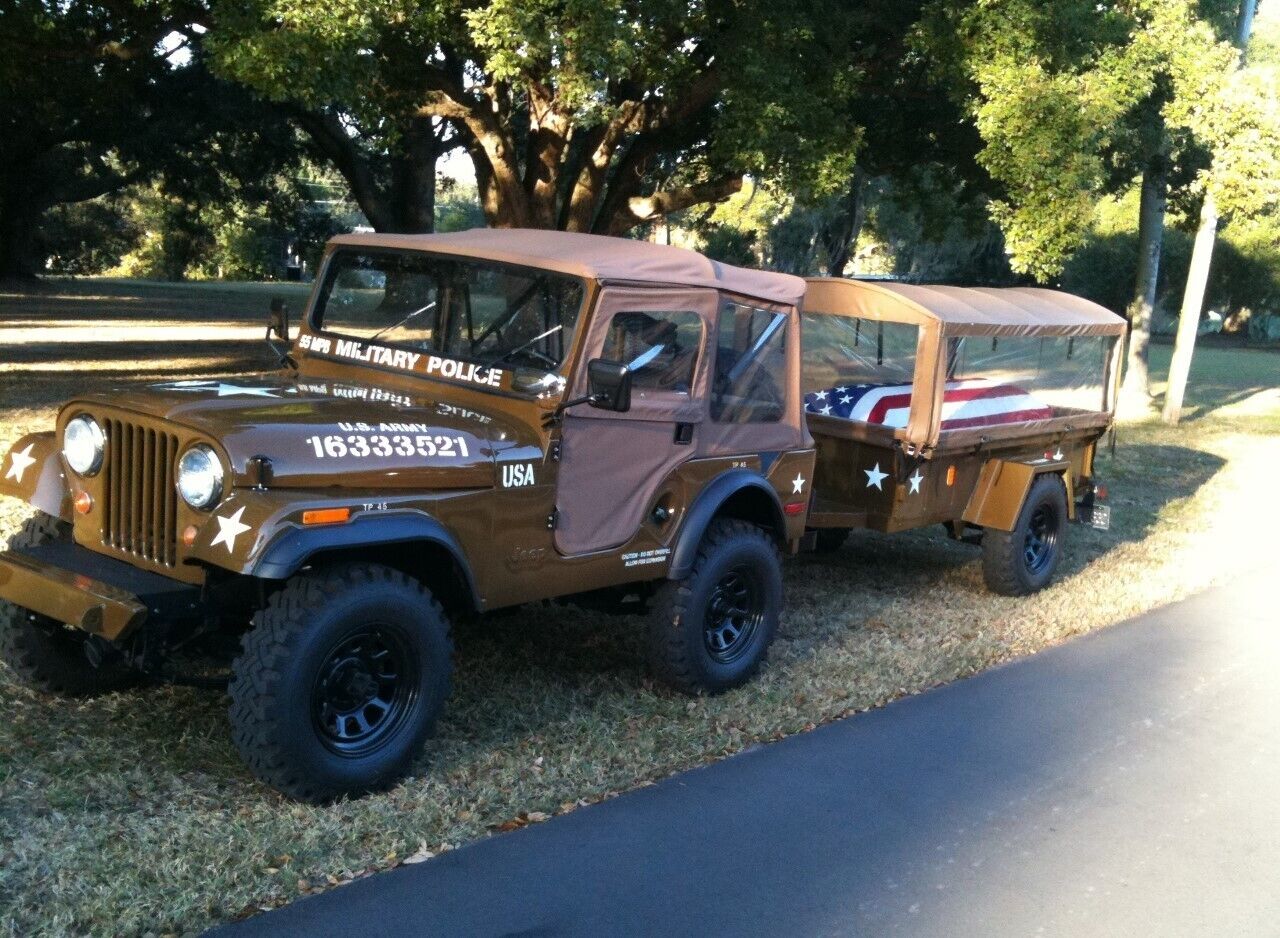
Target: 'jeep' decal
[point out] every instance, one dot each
(517, 475)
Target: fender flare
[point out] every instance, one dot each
(290, 551)
(705, 506)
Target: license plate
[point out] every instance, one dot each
(1100, 517)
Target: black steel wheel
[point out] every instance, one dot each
(1024, 560)
(735, 610)
(340, 681)
(364, 689)
(711, 630)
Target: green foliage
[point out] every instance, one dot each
(1062, 95)
(1245, 277)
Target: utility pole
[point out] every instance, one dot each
(1201, 258)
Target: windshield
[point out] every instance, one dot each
(477, 311)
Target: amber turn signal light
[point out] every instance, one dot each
(83, 503)
(951, 475)
(326, 516)
(189, 534)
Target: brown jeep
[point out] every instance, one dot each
(472, 421)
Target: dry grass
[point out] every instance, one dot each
(132, 813)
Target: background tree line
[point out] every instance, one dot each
(976, 141)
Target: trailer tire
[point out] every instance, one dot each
(711, 630)
(1024, 560)
(341, 679)
(47, 655)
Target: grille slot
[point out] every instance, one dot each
(141, 512)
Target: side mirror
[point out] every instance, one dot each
(278, 320)
(609, 384)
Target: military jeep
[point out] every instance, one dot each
(470, 422)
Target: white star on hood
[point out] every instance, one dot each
(875, 477)
(797, 484)
(915, 481)
(22, 459)
(229, 529)
(221, 387)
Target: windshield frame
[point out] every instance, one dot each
(315, 323)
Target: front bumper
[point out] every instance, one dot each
(102, 596)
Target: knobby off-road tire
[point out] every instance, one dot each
(712, 630)
(341, 679)
(1024, 560)
(46, 654)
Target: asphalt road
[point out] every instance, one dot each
(1125, 783)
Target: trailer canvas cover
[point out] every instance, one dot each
(953, 366)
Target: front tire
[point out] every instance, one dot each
(1024, 560)
(340, 681)
(712, 630)
(47, 655)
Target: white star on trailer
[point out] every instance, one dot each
(22, 460)
(229, 529)
(797, 484)
(875, 477)
(915, 481)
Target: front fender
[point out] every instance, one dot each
(32, 471)
(709, 502)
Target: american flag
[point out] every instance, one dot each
(978, 402)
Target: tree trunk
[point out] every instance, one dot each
(18, 225)
(415, 174)
(840, 235)
(1136, 390)
(1201, 259)
(1192, 304)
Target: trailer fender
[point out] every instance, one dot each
(1002, 486)
(733, 490)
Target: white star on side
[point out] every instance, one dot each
(915, 481)
(1058, 454)
(846, 399)
(21, 460)
(820, 396)
(842, 389)
(797, 484)
(826, 409)
(875, 477)
(229, 529)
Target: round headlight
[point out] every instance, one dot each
(200, 476)
(82, 444)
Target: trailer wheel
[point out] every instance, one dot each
(830, 540)
(44, 653)
(1023, 561)
(712, 630)
(340, 681)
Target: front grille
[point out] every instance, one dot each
(140, 516)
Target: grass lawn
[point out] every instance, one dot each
(132, 814)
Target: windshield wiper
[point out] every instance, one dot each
(521, 348)
(397, 325)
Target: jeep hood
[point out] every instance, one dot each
(325, 434)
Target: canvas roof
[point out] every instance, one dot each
(970, 310)
(596, 257)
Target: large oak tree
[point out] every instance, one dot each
(585, 115)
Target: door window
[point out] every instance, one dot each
(751, 365)
(660, 348)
